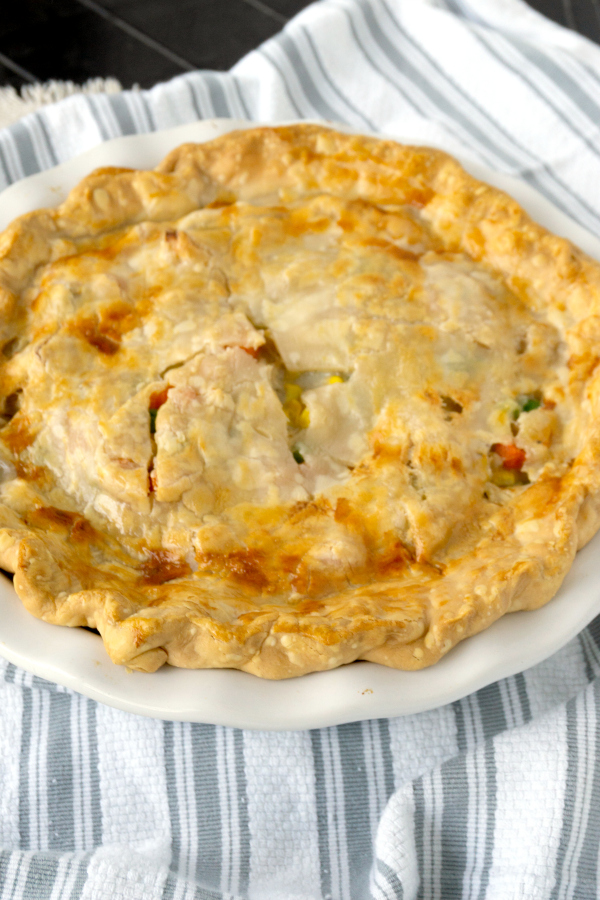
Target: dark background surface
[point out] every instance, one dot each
(145, 41)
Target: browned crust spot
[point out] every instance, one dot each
(162, 566)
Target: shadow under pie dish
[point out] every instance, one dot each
(292, 399)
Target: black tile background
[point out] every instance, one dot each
(580, 15)
(137, 41)
(145, 41)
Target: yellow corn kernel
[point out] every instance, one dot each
(293, 392)
(335, 379)
(292, 409)
(304, 419)
(504, 477)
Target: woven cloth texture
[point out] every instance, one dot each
(496, 796)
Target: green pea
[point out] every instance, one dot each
(526, 403)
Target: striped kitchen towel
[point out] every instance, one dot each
(496, 796)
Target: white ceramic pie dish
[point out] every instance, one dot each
(76, 658)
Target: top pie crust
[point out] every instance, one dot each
(292, 399)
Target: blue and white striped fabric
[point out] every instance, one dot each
(496, 796)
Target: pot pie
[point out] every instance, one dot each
(292, 399)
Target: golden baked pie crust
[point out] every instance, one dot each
(292, 399)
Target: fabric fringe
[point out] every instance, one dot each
(17, 103)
